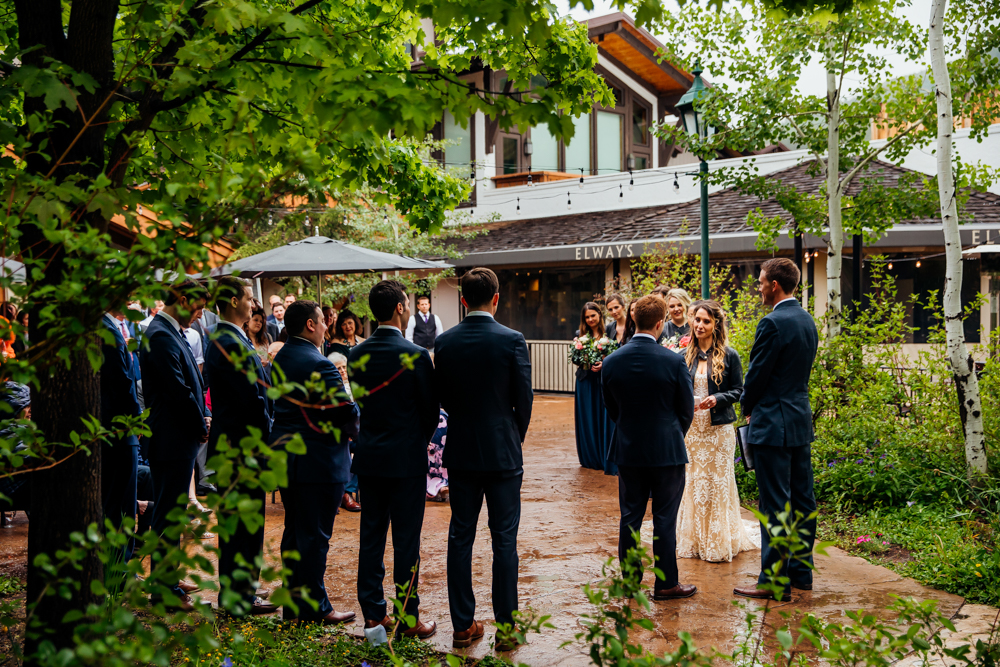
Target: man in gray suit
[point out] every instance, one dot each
(776, 401)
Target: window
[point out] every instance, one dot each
(458, 156)
(609, 142)
(546, 149)
(640, 124)
(641, 162)
(578, 148)
(510, 153)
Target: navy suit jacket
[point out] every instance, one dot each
(327, 460)
(118, 375)
(237, 401)
(399, 419)
(483, 376)
(649, 395)
(776, 388)
(173, 391)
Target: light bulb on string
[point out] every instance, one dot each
(918, 263)
(580, 185)
(677, 186)
(307, 221)
(270, 219)
(138, 209)
(621, 194)
(519, 206)
(631, 183)
(890, 266)
(472, 174)
(569, 202)
(529, 177)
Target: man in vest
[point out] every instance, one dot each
(424, 329)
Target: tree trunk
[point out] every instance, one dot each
(834, 259)
(64, 499)
(966, 383)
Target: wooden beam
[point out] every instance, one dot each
(624, 68)
(644, 50)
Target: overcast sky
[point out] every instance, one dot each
(813, 81)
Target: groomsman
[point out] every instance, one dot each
(317, 478)
(397, 422)
(178, 418)
(776, 401)
(238, 403)
(484, 379)
(119, 458)
(424, 328)
(649, 395)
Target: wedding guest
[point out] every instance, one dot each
(21, 342)
(678, 303)
(592, 436)
(330, 315)
(273, 301)
(256, 331)
(776, 403)
(424, 327)
(437, 474)
(238, 405)
(316, 478)
(484, 375)
(617, 328)
(709, 525)
(391, 459)
(345, 335)
(143, 324)
(8, 314)
(277, 325)
(175, 398)
(289, 300)
(350, 501)
(649, 396)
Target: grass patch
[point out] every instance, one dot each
(9, 585)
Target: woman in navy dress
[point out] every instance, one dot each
(592, 436)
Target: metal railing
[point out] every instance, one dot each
(550, 369)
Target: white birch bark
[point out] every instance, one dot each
(834, 258)
(962, 364)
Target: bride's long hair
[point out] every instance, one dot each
(720, 340)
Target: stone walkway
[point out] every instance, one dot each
(569, 528)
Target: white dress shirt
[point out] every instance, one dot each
(790, 298)
(412, 324)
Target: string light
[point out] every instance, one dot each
(581, 179)
(519, 206)
(307, 221)
(529, 176)
(139, 209)
(270, 219)
(385, 217)
(621, 194)
(677, 186)
(569, 202)
(918, 263)
(631, 183)
(890, 266)
(472, 175)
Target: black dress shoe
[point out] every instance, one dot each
(204, 488)
(755, 593)
(802, 587)
(260, 607)
(676, 593)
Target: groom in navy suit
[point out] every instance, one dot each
(238, 403)
(398, 419)
(776, 401)
(483, 376)
(649, 395)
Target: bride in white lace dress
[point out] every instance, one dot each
(709, 525)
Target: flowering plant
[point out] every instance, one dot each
(586, 350)
(677, 343)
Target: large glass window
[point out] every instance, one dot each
(640, 124)
(545, 304)
(546, 149)
(510, 155)
(457, 156)
(578, 149)
(609, 142)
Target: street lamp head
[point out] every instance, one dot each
(688, 103)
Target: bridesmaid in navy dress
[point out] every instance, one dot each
(592, 435)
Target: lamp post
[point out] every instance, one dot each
(696, 127)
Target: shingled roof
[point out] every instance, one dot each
(728, 210)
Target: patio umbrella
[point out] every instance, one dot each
(318, 255)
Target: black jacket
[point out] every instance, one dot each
(728, 392)
(398, 419)
(776, 392)
(483, 376)
(647, 392)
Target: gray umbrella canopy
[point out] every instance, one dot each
(322, 255)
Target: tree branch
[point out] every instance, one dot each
(849, 176)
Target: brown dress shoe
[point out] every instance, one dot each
(676, 593)
(466, 637)
(350, 504)
(754, 593)
(422, 630)
(503, 646)
(259, 607)
(188, 586)
(337, 617)
(802, 587)
(385, 622)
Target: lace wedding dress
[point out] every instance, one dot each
(709, 525)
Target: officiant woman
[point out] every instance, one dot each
(593, 428)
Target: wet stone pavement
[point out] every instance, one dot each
(569, 528)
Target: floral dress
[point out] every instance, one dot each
(437, 475)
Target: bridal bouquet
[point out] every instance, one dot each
(586, 350)
(677, 343)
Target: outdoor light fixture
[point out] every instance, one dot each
(918, 263)
(519, 206)
(621, 194)
(138, 209)
(529, 175)
(472, 174)
(270, 219)
(581, 178)
(698, 129)
(677, 185)
(307, 221)
(569, 202)
(529, 148)
(890, 266)
(631, 182)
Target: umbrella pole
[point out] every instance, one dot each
(319, 288)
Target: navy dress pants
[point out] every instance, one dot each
(785, 476)
(666, 484)
(502, 491)
(399, 502)
(309, 513)
(242, 577)
(119, 468)
(171, 480)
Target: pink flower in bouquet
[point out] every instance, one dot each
(578, 345)
(683, 342)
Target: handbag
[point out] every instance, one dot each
(746, 449)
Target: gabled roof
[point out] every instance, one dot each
(635, 50)
(728, 210)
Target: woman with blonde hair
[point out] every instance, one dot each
(678, 302)
(709, 525)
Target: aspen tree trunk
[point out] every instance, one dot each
(966, 383)
(834, 258)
